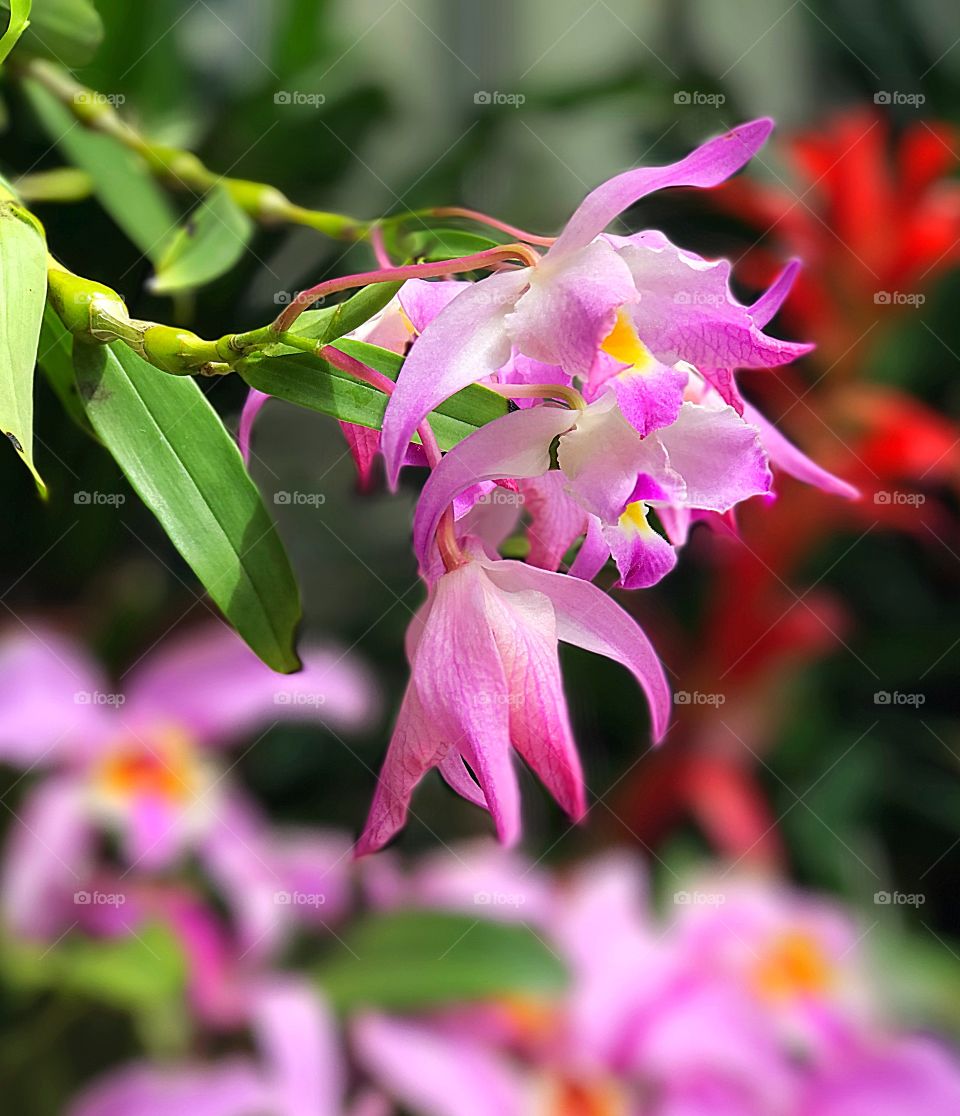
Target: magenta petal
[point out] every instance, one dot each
(248, 416)
(643, 556)
(459, 779)
(556, 519)
(709, 165)
(593, 553)
(763, 310)
(230, 1088)
(422, 301)
(650, 398)
(464, 343)
(49, 856)
(297, 1036)
(364, 445)
(588, 618)
(571, 306)
(516, 445)
(786, 456)
(437, 1074)
(209, 682)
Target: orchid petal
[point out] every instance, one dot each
(459, 779)
(570, 307)
(248, 416)
(593, 553)
(766, 306)
(516, 445)
(709, 165)
(556, 519)
(231, 1088)
(650, 398)
(590, 619)
(643, 556)
(422, 301)
(465, 342)
(786, 456)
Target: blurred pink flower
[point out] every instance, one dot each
(141, 764)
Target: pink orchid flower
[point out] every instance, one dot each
(143, 764)
(651, 304)
(298, 1070)
(485, 679)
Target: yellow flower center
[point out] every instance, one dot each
(633, 518)
(166, 766)
(623, 344)
(794, 965)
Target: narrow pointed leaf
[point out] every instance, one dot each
(68, 31)
(121, 180)
(187, 469)
(19, 18)
(309, 381)
(206, 245)
(23, 285)
(55, 359)
(420, 959)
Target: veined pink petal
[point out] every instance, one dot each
(570, 307)
(786, 456)
(364, 446)
(49, 857)
(516, 445)
(435, 1074)
(556, 519)
(465, 342)
(643, 556)
(651, 398)
(709, 165)
(232, 1087)
(422, 300)
(714, 459)
(588, 618)
(210, 683)
(593, 553)
(525, 629)
(459, 779)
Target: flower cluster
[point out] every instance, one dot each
(620, 355)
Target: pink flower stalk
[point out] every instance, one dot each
(598, 307)
(485, 679)
(141, 764)
(298, 1070)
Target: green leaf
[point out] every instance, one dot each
(187, 469)
(444, 244)
(121, 179)
(206, 245)
(55, 358)
(132, 971)
(68, 31)
(23, 285)
(310, 381)
(16, 25)
(418, 959)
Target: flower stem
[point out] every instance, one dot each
(485, 219)
(501, 254)
(568, 395)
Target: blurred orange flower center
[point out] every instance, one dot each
(794, 965)
(166, 768)
(623, 344)
(569, 1097)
